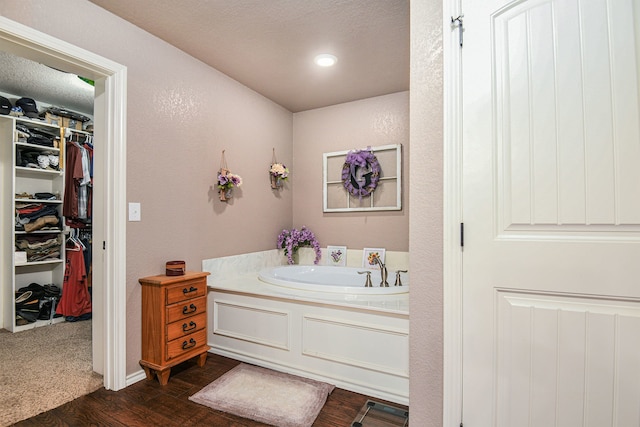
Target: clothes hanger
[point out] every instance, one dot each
(77, 244)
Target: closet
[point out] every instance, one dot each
(45, 228)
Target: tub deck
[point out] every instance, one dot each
(249, 284)
(356, 342)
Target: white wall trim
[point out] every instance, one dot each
(115, 228)
(135, 377)
(109, 324)
(452, 256)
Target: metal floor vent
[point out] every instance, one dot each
(376, 414)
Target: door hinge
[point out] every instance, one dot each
(457, 22)
(462, 234)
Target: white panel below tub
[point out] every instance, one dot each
(364, 351)
(251, 323)
(376, 348)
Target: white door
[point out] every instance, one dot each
(551, 206)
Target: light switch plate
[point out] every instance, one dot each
(134, 212)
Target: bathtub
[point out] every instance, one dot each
(345, 280)
(356, 341)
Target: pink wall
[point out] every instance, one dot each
(181, 115)
(426, 246)
(370, 122)
(168, 155)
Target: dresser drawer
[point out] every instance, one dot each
(186, 309)
(183, 345)
(186, 326)
(186, 290)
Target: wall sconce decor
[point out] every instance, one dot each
(227, 181)
(278, 172)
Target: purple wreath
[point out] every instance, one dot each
(361, 172)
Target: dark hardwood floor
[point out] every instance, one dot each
(147, 403)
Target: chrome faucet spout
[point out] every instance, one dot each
(383, 272)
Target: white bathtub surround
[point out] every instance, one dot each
(393, 260)
(255, 261)
(328, 278)
(228, 266)
(357, 342)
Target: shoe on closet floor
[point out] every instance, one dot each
(27, 316)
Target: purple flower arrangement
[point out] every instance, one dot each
(227, 180)
(291, 240)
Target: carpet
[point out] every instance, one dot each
(44, 368)
(266, 396)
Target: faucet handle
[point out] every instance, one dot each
(367, 283)
(398, 281)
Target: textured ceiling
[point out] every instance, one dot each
(25, 78)
(269, 45)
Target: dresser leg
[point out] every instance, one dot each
(163, 376)
(148, 372)
(202, 359)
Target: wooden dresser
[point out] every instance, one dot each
(174, 322)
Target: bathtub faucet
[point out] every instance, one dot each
(383, 272)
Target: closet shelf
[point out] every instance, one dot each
(51, 231)
(36, 123)
(37, 172)
(32, 263)
(39, 201)
(37, 147)
(38, 323)
(83, 132)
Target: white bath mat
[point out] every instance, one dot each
(266, 396)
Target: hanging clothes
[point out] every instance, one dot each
(72, 178)
(88, 146)
(78, 181)
(75, 303)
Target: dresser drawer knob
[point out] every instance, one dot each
(190, 326)
(191, 343)
(188, 291)
(191, 309)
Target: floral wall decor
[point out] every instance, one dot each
(361, 172)
(227, 181)
(292, 240)
(337, 255)
(363, 179)
(278, 172)
(369, 256)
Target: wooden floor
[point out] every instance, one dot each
(147, 403)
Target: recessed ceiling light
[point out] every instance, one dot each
(325, 60)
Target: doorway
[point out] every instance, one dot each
(109, 261)
(550, 182)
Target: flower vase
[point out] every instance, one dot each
(276, 182)
(294, 256)
(225, 194)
